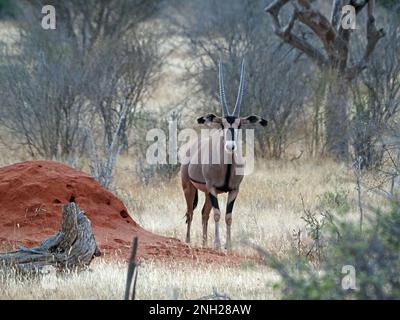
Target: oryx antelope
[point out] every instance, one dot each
(221, 176)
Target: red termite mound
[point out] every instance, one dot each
(32, 194)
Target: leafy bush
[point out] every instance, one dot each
(7, 8)
(373, 254)
(390, 4)
(337, 201)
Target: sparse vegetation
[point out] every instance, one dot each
(87, 94)
(370, 256)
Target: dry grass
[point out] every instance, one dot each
(268, 209)
(106, 280)
(8, 32)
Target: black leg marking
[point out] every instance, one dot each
(214, 201)
(229, 207)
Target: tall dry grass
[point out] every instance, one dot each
(268, 209)
(106, 280)
(269, 206)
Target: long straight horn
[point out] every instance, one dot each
(236, 112)
(222, 97)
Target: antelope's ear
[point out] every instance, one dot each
(209, 118)
(254, 119)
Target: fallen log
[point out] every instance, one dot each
(74, 246)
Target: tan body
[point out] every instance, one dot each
(215, 165)
(212, 179)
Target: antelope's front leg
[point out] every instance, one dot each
(217, 216)
(205, 213)
(228, 217)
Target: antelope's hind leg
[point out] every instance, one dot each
(191, 196)
(205, 215)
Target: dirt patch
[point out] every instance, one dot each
(32, 194)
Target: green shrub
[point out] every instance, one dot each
(337, 201)
(7, 8)
(374, 254)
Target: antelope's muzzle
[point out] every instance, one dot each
(230, 143)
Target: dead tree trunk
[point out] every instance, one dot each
(336, 118)
(331, 55)
(72, 247)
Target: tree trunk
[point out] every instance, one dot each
(72, 247)
(335, 56)
(337, 138)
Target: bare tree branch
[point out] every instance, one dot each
(321, 26)
(373, 37)
(336, 13)
(285, 32)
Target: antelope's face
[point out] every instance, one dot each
(231, 125)
(231, 122)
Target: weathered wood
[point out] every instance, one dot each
(72, 247)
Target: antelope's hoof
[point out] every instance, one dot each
(187, 240)
(228, 248)
(217, 245)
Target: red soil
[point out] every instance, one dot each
(32, 194)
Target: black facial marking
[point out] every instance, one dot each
(232, 131)
(229, 207)
(230, 119)
(214, 201)
(263, 122)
